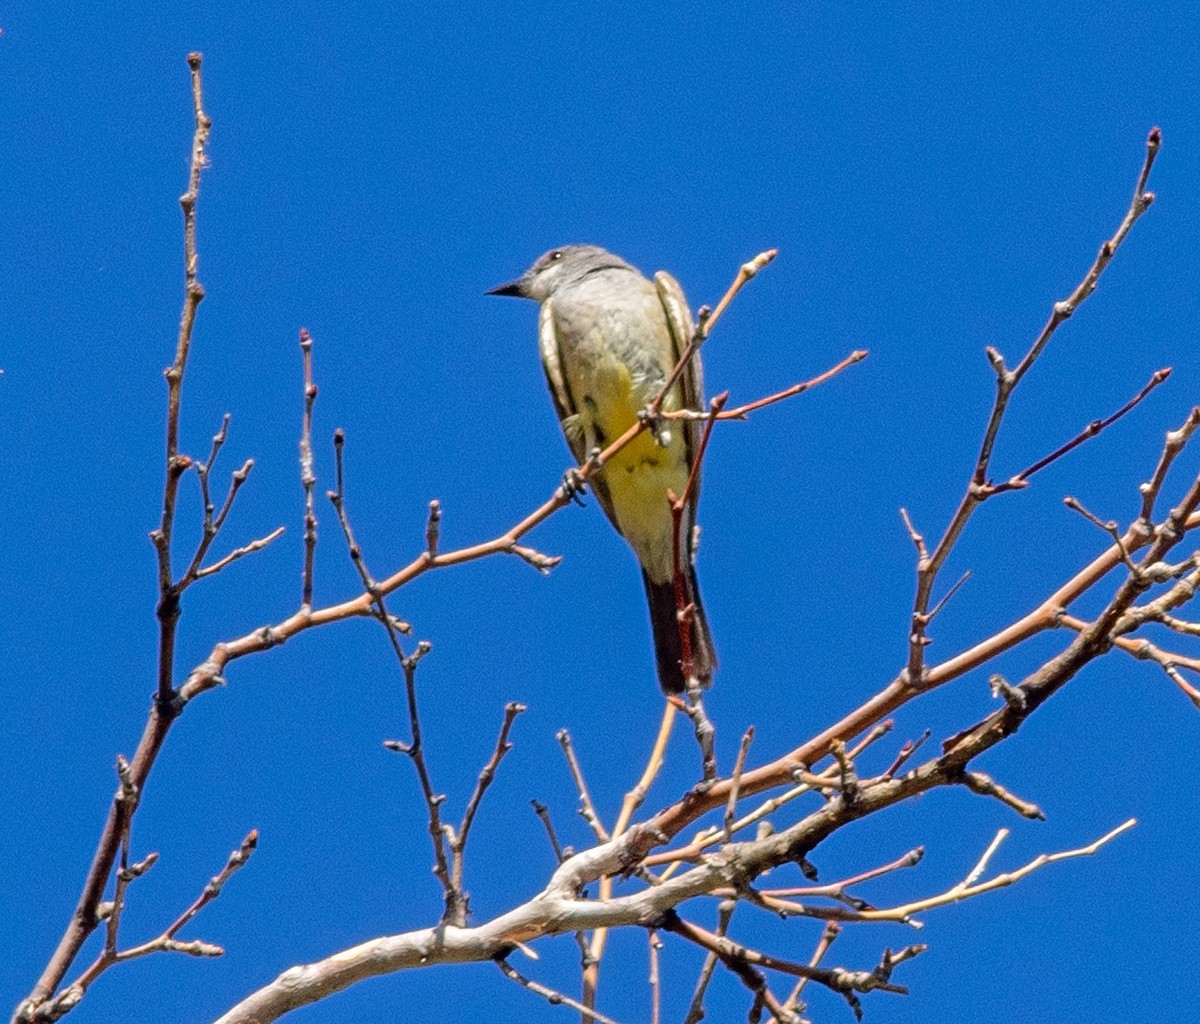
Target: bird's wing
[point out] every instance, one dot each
(556, 380)
(564, 403)
(691, 381)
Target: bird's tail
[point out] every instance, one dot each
(668, 643)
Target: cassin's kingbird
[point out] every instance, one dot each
(609, 338)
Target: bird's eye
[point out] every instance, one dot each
(556, 255)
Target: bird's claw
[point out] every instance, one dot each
(574, 484)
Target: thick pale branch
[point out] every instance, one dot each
(557, 909)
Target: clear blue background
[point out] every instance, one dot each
(934, 179)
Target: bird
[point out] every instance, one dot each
(609, 339)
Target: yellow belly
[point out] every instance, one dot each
(641, 474)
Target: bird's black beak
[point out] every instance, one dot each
(515, 288)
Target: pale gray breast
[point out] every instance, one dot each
(616, 314)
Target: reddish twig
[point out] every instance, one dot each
(684, 609)
(910, 747)
(1021, 479)
(166, 705)
(979, 489)
(742, 412)
(165, 942)
(706, 321)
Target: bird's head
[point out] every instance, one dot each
(551, 270)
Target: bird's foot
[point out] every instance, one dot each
(574, 485)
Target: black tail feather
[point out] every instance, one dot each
(668, 643)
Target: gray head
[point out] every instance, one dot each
(559, 267)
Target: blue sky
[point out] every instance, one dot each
(933, 178)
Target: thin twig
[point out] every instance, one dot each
(706, 321)
(916, 537)
(633, 800)
(837, 890)
(696, 1010)
(233, 556)
(458, 841)
(742, 412)
(985, 785)
(587, 809)
(685, 610)
(455, 902)
(831, 932)
(208, 527)
(736, 781)
(739, 958)
(433, 528)
(970, 886)
(308, 476)
(550, 995)
(979, 488)
(165, 942)
(1176, 441)
(236, 861)
(1179, 625)
(1021, 479)
(910, 747)
(1169, 661)
(1110, 526)
(167, 705)
(949, 594)
(655, 944)
(543, 813)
